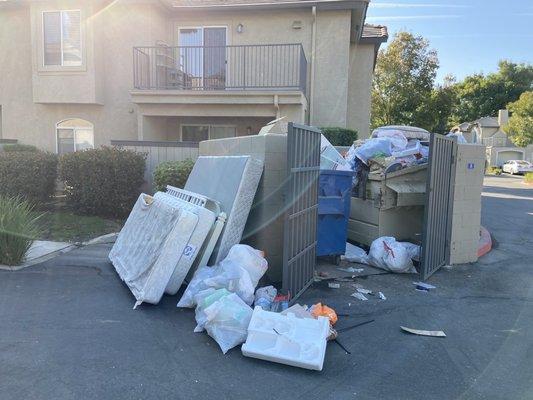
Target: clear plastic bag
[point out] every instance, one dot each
(239, 273)
(265, 296)
(386, 253)
(203, 300)
(227, 321)
(355, 254)
(412, 249)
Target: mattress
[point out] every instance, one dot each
(150, 246)
(206, 219)
(232, 181)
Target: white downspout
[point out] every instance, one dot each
(312, 83)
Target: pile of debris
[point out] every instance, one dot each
(389, 149)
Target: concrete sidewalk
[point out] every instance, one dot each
(69, 331)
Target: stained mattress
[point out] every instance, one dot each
(206, 219)
(150, 246)
(232, 181)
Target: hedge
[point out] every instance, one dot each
(104, 181)
(11, 148)
(29, 175)
(173, 173)
(339, 136)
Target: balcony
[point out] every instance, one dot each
(273, 67)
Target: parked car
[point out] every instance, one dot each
(517, 167)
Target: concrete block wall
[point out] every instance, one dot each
(466, 219)
(264, 228)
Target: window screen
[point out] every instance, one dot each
(52, 38)
(65, 141)
(71, 38)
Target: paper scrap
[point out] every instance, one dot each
(423, 333)
(334, 285)
(364, 291)
(381, 296)
(351, 269)
(424, 286)
(359, 296)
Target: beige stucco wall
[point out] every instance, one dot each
(121, 27)
(359, 88)
(33, 99)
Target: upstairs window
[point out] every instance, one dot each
(62, 38)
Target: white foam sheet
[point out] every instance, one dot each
(206, 219)
(232, 181)
(287, 339)
(150, 246)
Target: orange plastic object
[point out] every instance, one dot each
(322, 310)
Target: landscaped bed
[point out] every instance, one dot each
(62, 225)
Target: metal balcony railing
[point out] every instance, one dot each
(241, 67)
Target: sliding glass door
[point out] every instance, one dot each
(203, 57)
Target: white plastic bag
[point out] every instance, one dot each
(205, 299)
(227, 321)
(397, 138)
(412, 249)
(239, 273)
(386, 253)
(355, 254)
(373, 147)
(265, 296)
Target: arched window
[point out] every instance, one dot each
(74, 135)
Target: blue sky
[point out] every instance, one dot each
(469, 35)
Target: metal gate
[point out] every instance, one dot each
(301, 208)
(439, 205)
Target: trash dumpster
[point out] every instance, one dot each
(333, 212)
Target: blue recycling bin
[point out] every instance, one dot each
(333, 211)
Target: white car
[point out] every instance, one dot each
(517, 167)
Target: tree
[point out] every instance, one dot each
(403, 82)
(480, 96)
(440, 106)
(520, 126)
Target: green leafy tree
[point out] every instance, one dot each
(403, 82)
(520, 126)
(440, 105)
(480, 96)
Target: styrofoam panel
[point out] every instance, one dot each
(206, 219)
(232, 181)
(150, 246)
(287, 339)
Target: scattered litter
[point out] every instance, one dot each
(347, 328)
(364, 291)
(319, 310)
(386, 253)
(320, 276)
(381, 296)
(287, 339)
(423, 287)
(265, 296)
(359, 296)
(227, 321)
(423, 333)
(333, 285)
(355, 254)
(351, 270)
(239, 272)
(298, 310)
(330, 158)
(281, 302)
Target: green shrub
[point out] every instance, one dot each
(12, 148)
(494, 171)
(104, 181)
(528, 177)
(30, 175)
(340, 136)
(19, 227)
(173, 173)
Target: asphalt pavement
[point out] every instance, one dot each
(68, 331)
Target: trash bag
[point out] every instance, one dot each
(397, 138)
(372, 147)
(386, 253)
(355, 254)
(460, 137)
(412, 249)
(204, 299)
(239, 273)
(265, 296)
(227, 321)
